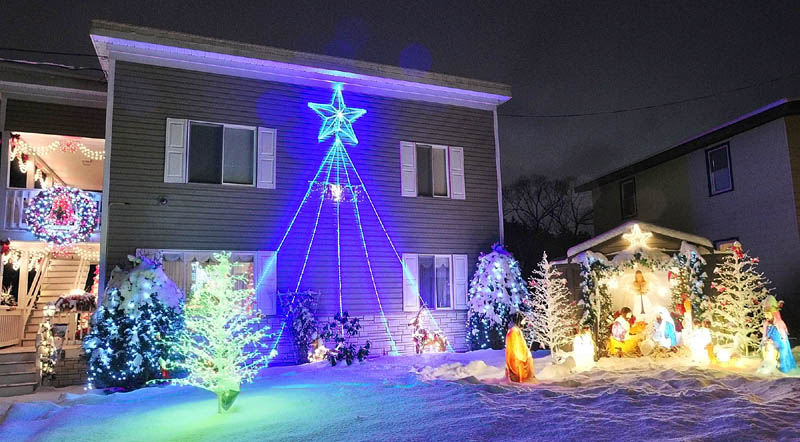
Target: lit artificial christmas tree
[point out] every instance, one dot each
(687, 280)
(736, 312)
(496, 291)
(134, 328)
(553, 316)
(222, 345)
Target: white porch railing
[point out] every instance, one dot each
(10, 326)
(17, 200)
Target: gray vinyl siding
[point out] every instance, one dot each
(216, 217)
(761, 210)
(56, 119)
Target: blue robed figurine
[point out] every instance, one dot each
(776, 331)
(664, 329)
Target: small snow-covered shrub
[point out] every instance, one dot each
(299, 308)
(343, 330)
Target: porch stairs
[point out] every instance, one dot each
(60, 277)
(18, 371)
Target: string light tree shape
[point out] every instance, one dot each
(736, 313)
(222, 344)
(497, 290)
(338, 181)
(553, 317)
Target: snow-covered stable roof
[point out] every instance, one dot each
(611, 242)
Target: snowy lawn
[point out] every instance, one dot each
(430, 397)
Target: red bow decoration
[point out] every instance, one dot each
(6, 246)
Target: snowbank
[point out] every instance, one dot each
(432, 397)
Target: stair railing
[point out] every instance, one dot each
(33, 294)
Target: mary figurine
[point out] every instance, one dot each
(776, 331)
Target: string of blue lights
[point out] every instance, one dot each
(337, 122)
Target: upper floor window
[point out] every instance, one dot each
(431, 170)
(433, 175)
(718, 163)
(219, 153)
(627, 197)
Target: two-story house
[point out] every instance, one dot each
(374, 186)
(739, 181)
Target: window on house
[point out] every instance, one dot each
(221, 154)
(432, 171)
(627, 197)
(718, 161)
(434, 281)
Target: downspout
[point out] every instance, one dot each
(106, 183)
(499, 179)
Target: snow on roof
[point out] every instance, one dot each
(646, 227)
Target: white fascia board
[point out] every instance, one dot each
(238, 66)
(53, 94)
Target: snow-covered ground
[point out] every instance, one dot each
(430, 397)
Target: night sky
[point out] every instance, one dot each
(567, 57)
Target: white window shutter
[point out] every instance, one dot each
(175, 151)
(265, 166)
(460, 283)
(457, 189)
(265, 278)
(408, 168)
(410, 284)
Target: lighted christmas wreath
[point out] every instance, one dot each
(61, 215)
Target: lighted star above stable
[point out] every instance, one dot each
(337, 118)
(637, 238)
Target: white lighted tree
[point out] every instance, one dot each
(223, 343)
(736, 313)
(496, 291)
(553, 316)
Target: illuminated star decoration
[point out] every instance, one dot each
(337, 118)
(637, 239)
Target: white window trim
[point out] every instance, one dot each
(450, 266)
(188, 255)
(222, 166)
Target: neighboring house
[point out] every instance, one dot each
(739, 181)
(56, 121)
(211, 145)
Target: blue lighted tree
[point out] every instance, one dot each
(134, 328)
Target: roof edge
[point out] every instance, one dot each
(778, 109)
(101, 29)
